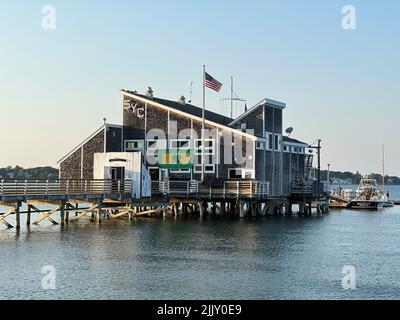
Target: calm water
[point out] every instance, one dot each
(273, 258)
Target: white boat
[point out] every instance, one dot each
(368, 196)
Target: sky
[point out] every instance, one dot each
(341, 86)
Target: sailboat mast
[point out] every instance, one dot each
(383, 167)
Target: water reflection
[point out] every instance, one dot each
(272, 258)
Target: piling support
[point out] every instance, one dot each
(201, 209)
(98, 213)
(62, 212)
(28, 215)
(17, 215)
(301, 208)
(241, 210)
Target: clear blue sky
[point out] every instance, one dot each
(340, 86)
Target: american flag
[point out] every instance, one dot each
(211, 83)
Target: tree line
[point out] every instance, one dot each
(17, 172)
(355, 178)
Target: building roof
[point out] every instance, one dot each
(294, 141)
(188, 108)
(263, 102)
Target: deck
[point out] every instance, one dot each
(24, 190)
(228, 190)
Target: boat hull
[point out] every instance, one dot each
(366, 205)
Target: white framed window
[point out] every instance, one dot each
(277, 142)
(260, 145)
(240, 173)
(235, 173)
(270, 142)
(134, 145)
(286, 148)
(209, 146)
(154, 145)
(208, 168)
(180, 144)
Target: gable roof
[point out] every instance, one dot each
(182, 110)
(188, 108)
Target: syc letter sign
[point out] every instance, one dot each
(137, 109)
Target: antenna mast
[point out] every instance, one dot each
(233, 97)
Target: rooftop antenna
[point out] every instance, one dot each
(233, 97)
(289, 131)
(190, 91)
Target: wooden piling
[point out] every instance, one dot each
(62, 212)
(241, 210)
(17, 215)
(28, 215)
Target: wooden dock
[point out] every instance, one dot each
(110, 199)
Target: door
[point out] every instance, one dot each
(163, 175)
(154, 174)
(117, 177)
(117, 173)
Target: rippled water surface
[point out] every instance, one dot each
(266, 258)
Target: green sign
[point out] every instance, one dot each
(175, 159)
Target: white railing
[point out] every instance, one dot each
(21, 188)
(230, 189)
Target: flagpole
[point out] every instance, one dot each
(203, 123)
(231, 97)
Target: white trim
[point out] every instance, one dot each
(156, 104)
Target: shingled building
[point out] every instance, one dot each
(251, 147)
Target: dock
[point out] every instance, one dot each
(102, 200)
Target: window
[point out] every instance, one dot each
(208, 168)
(285, 149)
(155, 144)
(260, 145)
(235, 174)
(179, 144)
(276, 143)
(270, 142)
(209, 147)
(134, 145)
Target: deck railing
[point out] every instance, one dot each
(61, 187)
(230, 189)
